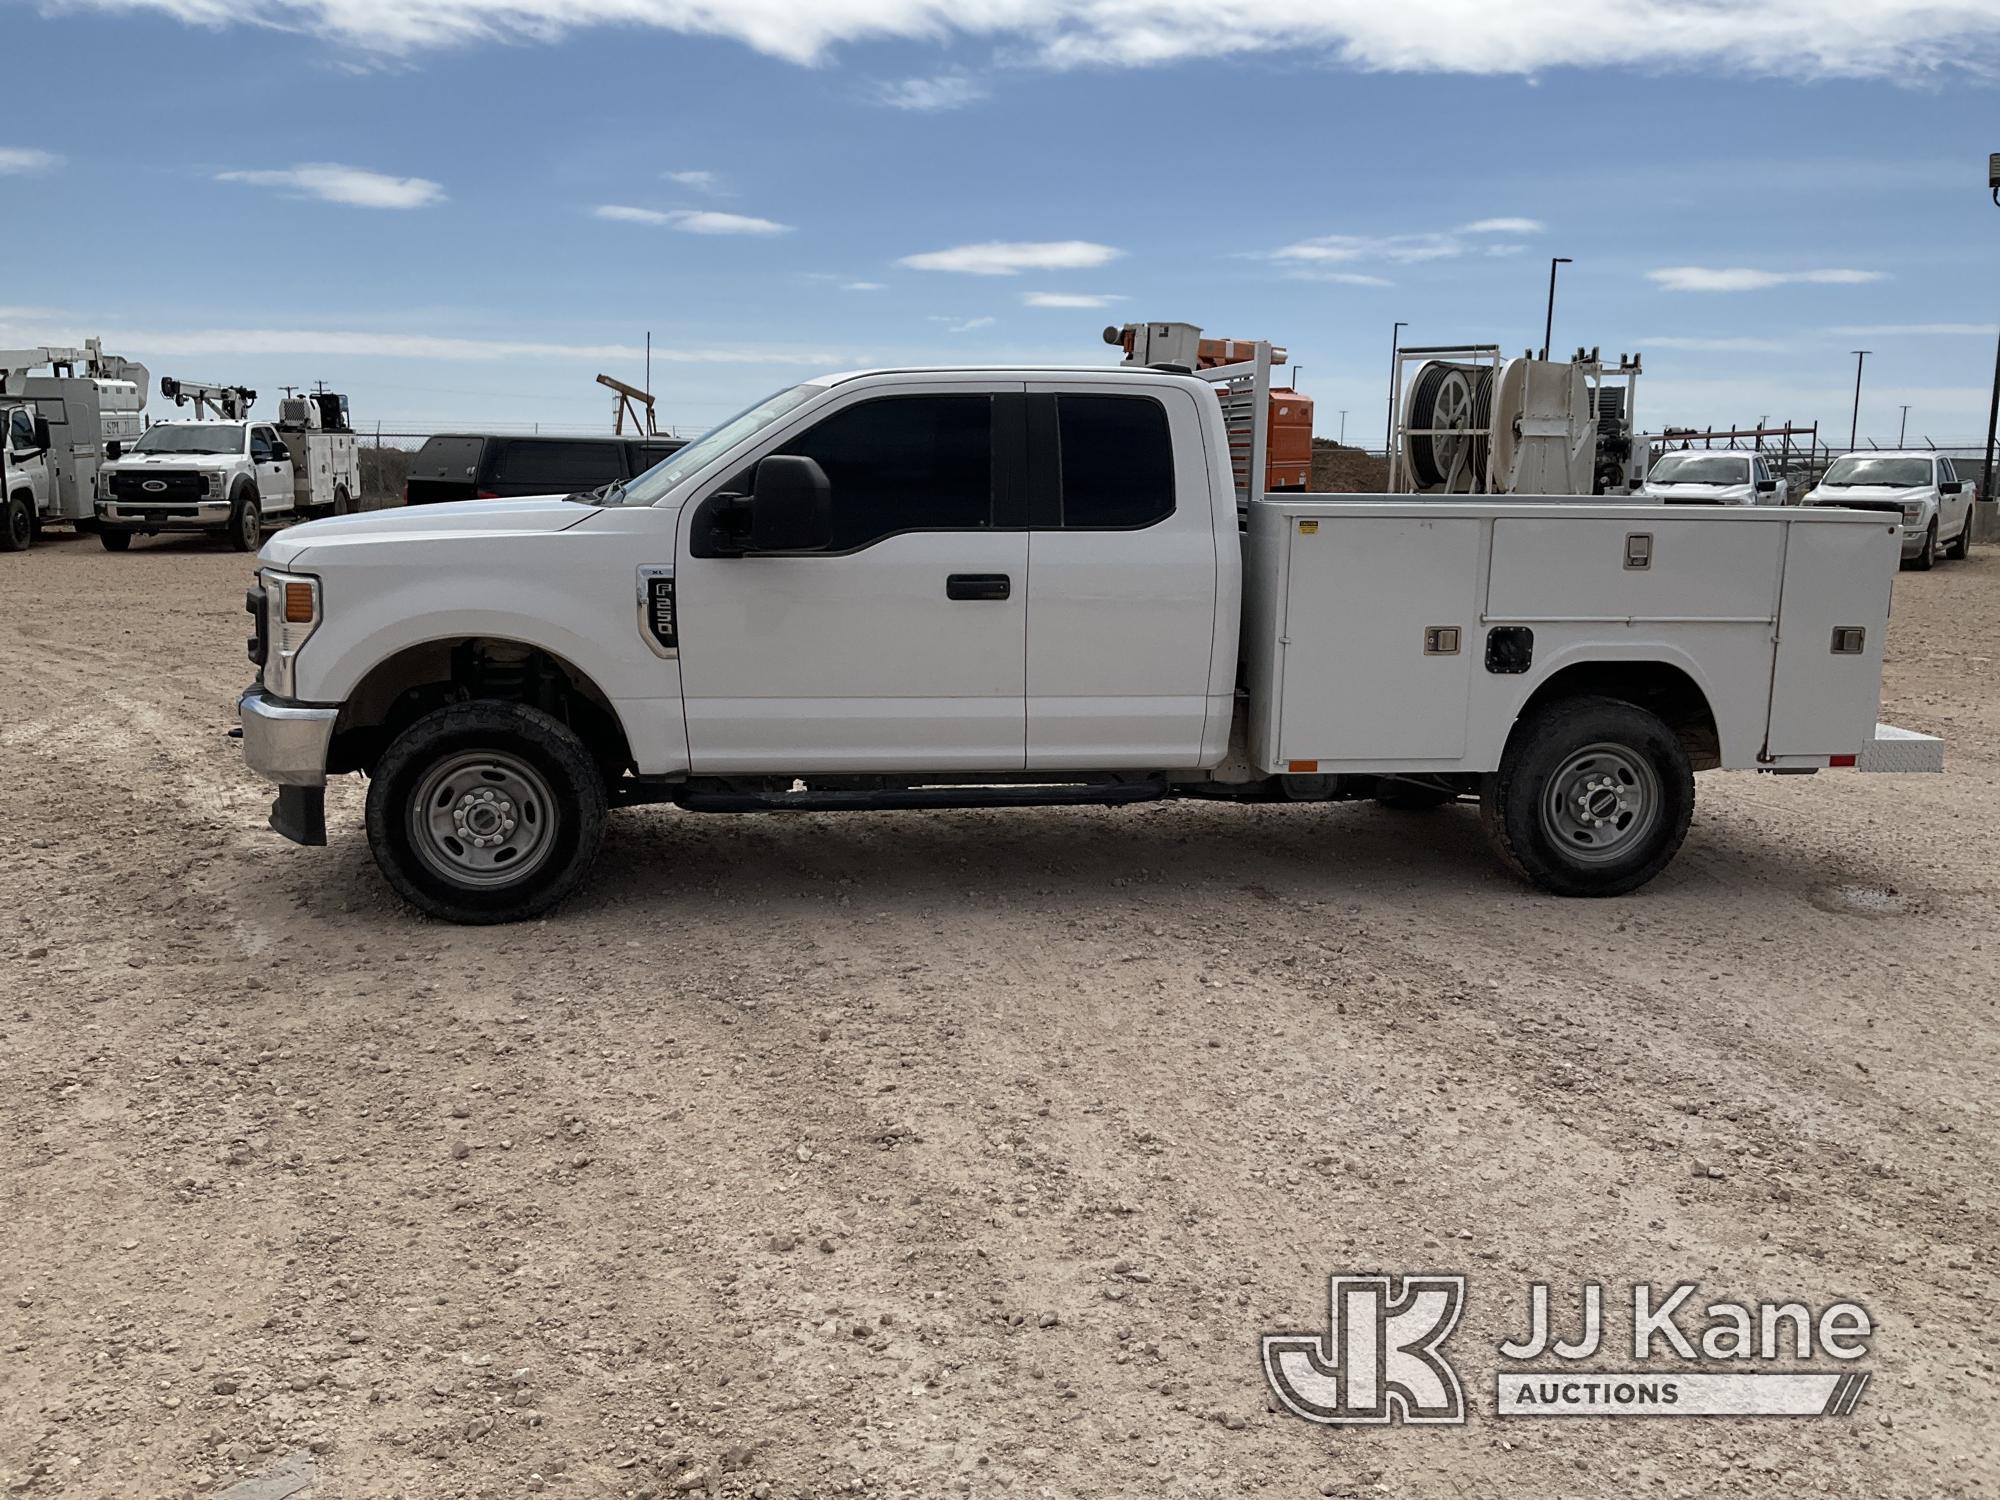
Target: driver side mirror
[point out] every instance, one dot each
(1767, 486)
(113, 451)
(280, 453)
(43, 439)
(791, 505)
(1951, 487)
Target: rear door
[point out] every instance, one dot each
(900, 646)
(1122, 579)
(1826, 683)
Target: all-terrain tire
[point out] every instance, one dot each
(114, 540)
(1593, 798)
(17, 525)
(485, 812)
(343, 503)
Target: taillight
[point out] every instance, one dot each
(486, 495)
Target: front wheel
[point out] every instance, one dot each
(17, 527)
(1961, 545)
(485, 812)
(1593, 798)
(246, 524)
(1925, 560)
(114, 540)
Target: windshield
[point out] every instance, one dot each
(1701, 468)
(676, 466)
(1900, 472)
(190, 437)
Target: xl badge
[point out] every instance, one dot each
(657, 616)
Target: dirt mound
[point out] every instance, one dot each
(1348, 471)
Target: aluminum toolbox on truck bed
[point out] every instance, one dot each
(1384, 633)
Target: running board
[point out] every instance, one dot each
(927, 798)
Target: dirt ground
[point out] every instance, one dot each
(923, 1155)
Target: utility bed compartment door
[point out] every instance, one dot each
(1823, 701)
(1591, 568)
(1358, 682)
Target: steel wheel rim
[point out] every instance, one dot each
(1601, 803)
(483, 818)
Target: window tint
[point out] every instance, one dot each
(1117, 461)
(23, 426)
(905, 463)
(260, 444)
(1947, 470)
(556, 465)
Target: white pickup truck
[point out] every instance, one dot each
(915, 589)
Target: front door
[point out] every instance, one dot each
(1124, 580)
(900, 646)
(274, 474)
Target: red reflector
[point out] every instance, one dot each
(486, 495)
(1840, 760)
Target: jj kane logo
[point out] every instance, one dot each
(1382, 1359)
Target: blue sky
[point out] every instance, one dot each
(408, 199)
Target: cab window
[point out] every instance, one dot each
(904, 463)
(21, 429)
(1117, 462)
(260, 445)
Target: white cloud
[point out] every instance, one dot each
(365, 344)
(969, 324)
(1405, 249)
(332, 183)
(699, 180)
(1874, 330)
(946, 91)
(1745, 279)
(1505, 226)
(1004, 258)
(1070, 299)
(1724, 344)
(1903, 40)
(24, 161)
(691, 220)
(1342, 278)
(864, 286)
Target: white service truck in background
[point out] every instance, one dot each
(951, 588)
(55, 431)
(1922, 489)
(222, 473)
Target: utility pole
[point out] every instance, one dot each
(1343, 427)
(1395, 348)
(1904, 425)
(1854, 426)
(1992, 421)
(1549, 324)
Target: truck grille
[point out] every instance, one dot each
(176, 486)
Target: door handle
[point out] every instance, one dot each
(977, 586)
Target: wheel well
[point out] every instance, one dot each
(1655, 686)
(403, 688)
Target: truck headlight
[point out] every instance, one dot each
(291, 615)
(1913, 510)
(215, 485)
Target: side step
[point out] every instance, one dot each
(927, 798)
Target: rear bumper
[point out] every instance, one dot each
(1895, 749)
(285, 742)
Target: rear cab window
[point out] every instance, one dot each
(1115, 463)
(553, 464)
(448, 458)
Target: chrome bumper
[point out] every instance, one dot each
(285, 742)
(187, 515)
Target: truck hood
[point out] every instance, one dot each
(139, 462)
(1871, 496)
(407, 525)
(1701, 494)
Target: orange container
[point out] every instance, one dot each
(1288, 441)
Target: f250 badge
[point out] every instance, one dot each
(658, 621)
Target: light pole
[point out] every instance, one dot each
(1343, 427)
(1549, 324)
(1993, 412)
(1854, 426)
(1903, 426)
(1395, 348)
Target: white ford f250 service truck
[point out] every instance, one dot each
(914, 589)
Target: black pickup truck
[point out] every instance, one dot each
(475, 466)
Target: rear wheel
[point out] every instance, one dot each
(114, 540)
(246, 523)
(343, 504)
(17, 526)
(485, 812)
(1593, 798)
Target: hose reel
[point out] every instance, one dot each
(1447, 427)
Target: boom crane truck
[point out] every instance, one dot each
(56, 429)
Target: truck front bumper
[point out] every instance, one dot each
(286, 743)
(192, 515)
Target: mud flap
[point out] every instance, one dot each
(299, 813)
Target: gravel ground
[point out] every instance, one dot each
(918, 1155)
